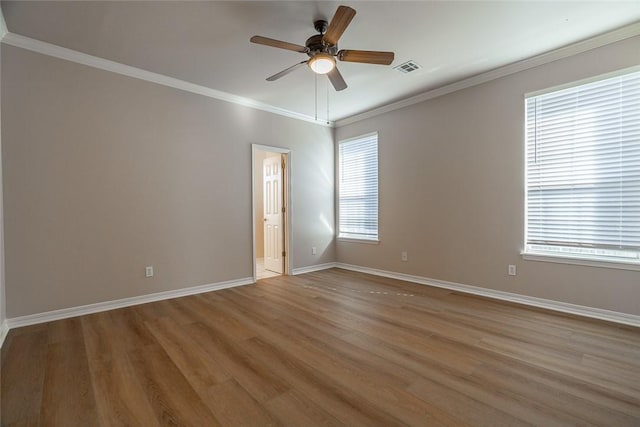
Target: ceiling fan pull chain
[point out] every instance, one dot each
(315, 92)
(327, 87)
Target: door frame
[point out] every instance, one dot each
(286, 181)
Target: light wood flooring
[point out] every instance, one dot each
(326, 348)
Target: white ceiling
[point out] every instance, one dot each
(207, 43)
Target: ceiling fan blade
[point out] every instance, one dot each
(285, 71)
(366, 56)
(338, 24)
(279, 44)
(336, 79)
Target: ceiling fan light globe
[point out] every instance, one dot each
(322, 63)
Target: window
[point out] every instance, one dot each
(358, 188)
(583, 171)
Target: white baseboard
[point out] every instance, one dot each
(65, 313)
(4, 330)
(580, 310)
(312, 268)
(596, 313)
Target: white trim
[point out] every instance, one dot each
(312, 268)
(271, 148)
(288, 210)
(104, 64)
(4, 330)
(355, 240)
(535, 61)
(590, 262)
(138, 73)
(581, 82)
(580, 310)
(338, 172)
(3, 25)
(354, 138)
(65, 313)
(254, 271)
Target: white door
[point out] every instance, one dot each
(272, 199)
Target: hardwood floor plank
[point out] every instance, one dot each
(101, 336)
(466, 408)
(311, 343)
(294, 410)
(141, 313)
(23, 371)
(173, 399)
(377, 387)
(206, 311)
(196, 365)
(394, 318)
(563, 362)
(129, 322)
(176, 311)
(560, 403)
(331, 347)
(119, 396)
(67, 393)
(349, 408)
(498, 399)
(235, 407)
(598, 397)
(65, 330)
(257, 378)
(624, 350)
(386, 396)
(269, 308)
(619, 370)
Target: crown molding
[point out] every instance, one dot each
(535, 61)
(71, 55)
(127, 70)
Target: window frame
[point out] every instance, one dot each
(339, 236)
(592, 260)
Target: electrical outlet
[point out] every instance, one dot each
(313, 250)
(512, 270)
(404, 256)
(148, 271)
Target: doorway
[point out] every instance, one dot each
(271, 231)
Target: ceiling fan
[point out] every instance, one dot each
(322, 49)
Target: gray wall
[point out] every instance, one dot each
(105, 174)
(452, 190)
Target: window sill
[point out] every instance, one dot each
(590, 262)
(352, 240)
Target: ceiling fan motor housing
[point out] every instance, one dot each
(316, 45)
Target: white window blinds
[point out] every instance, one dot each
(583, 170)
(358, 188)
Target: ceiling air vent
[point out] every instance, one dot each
(407, 67)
